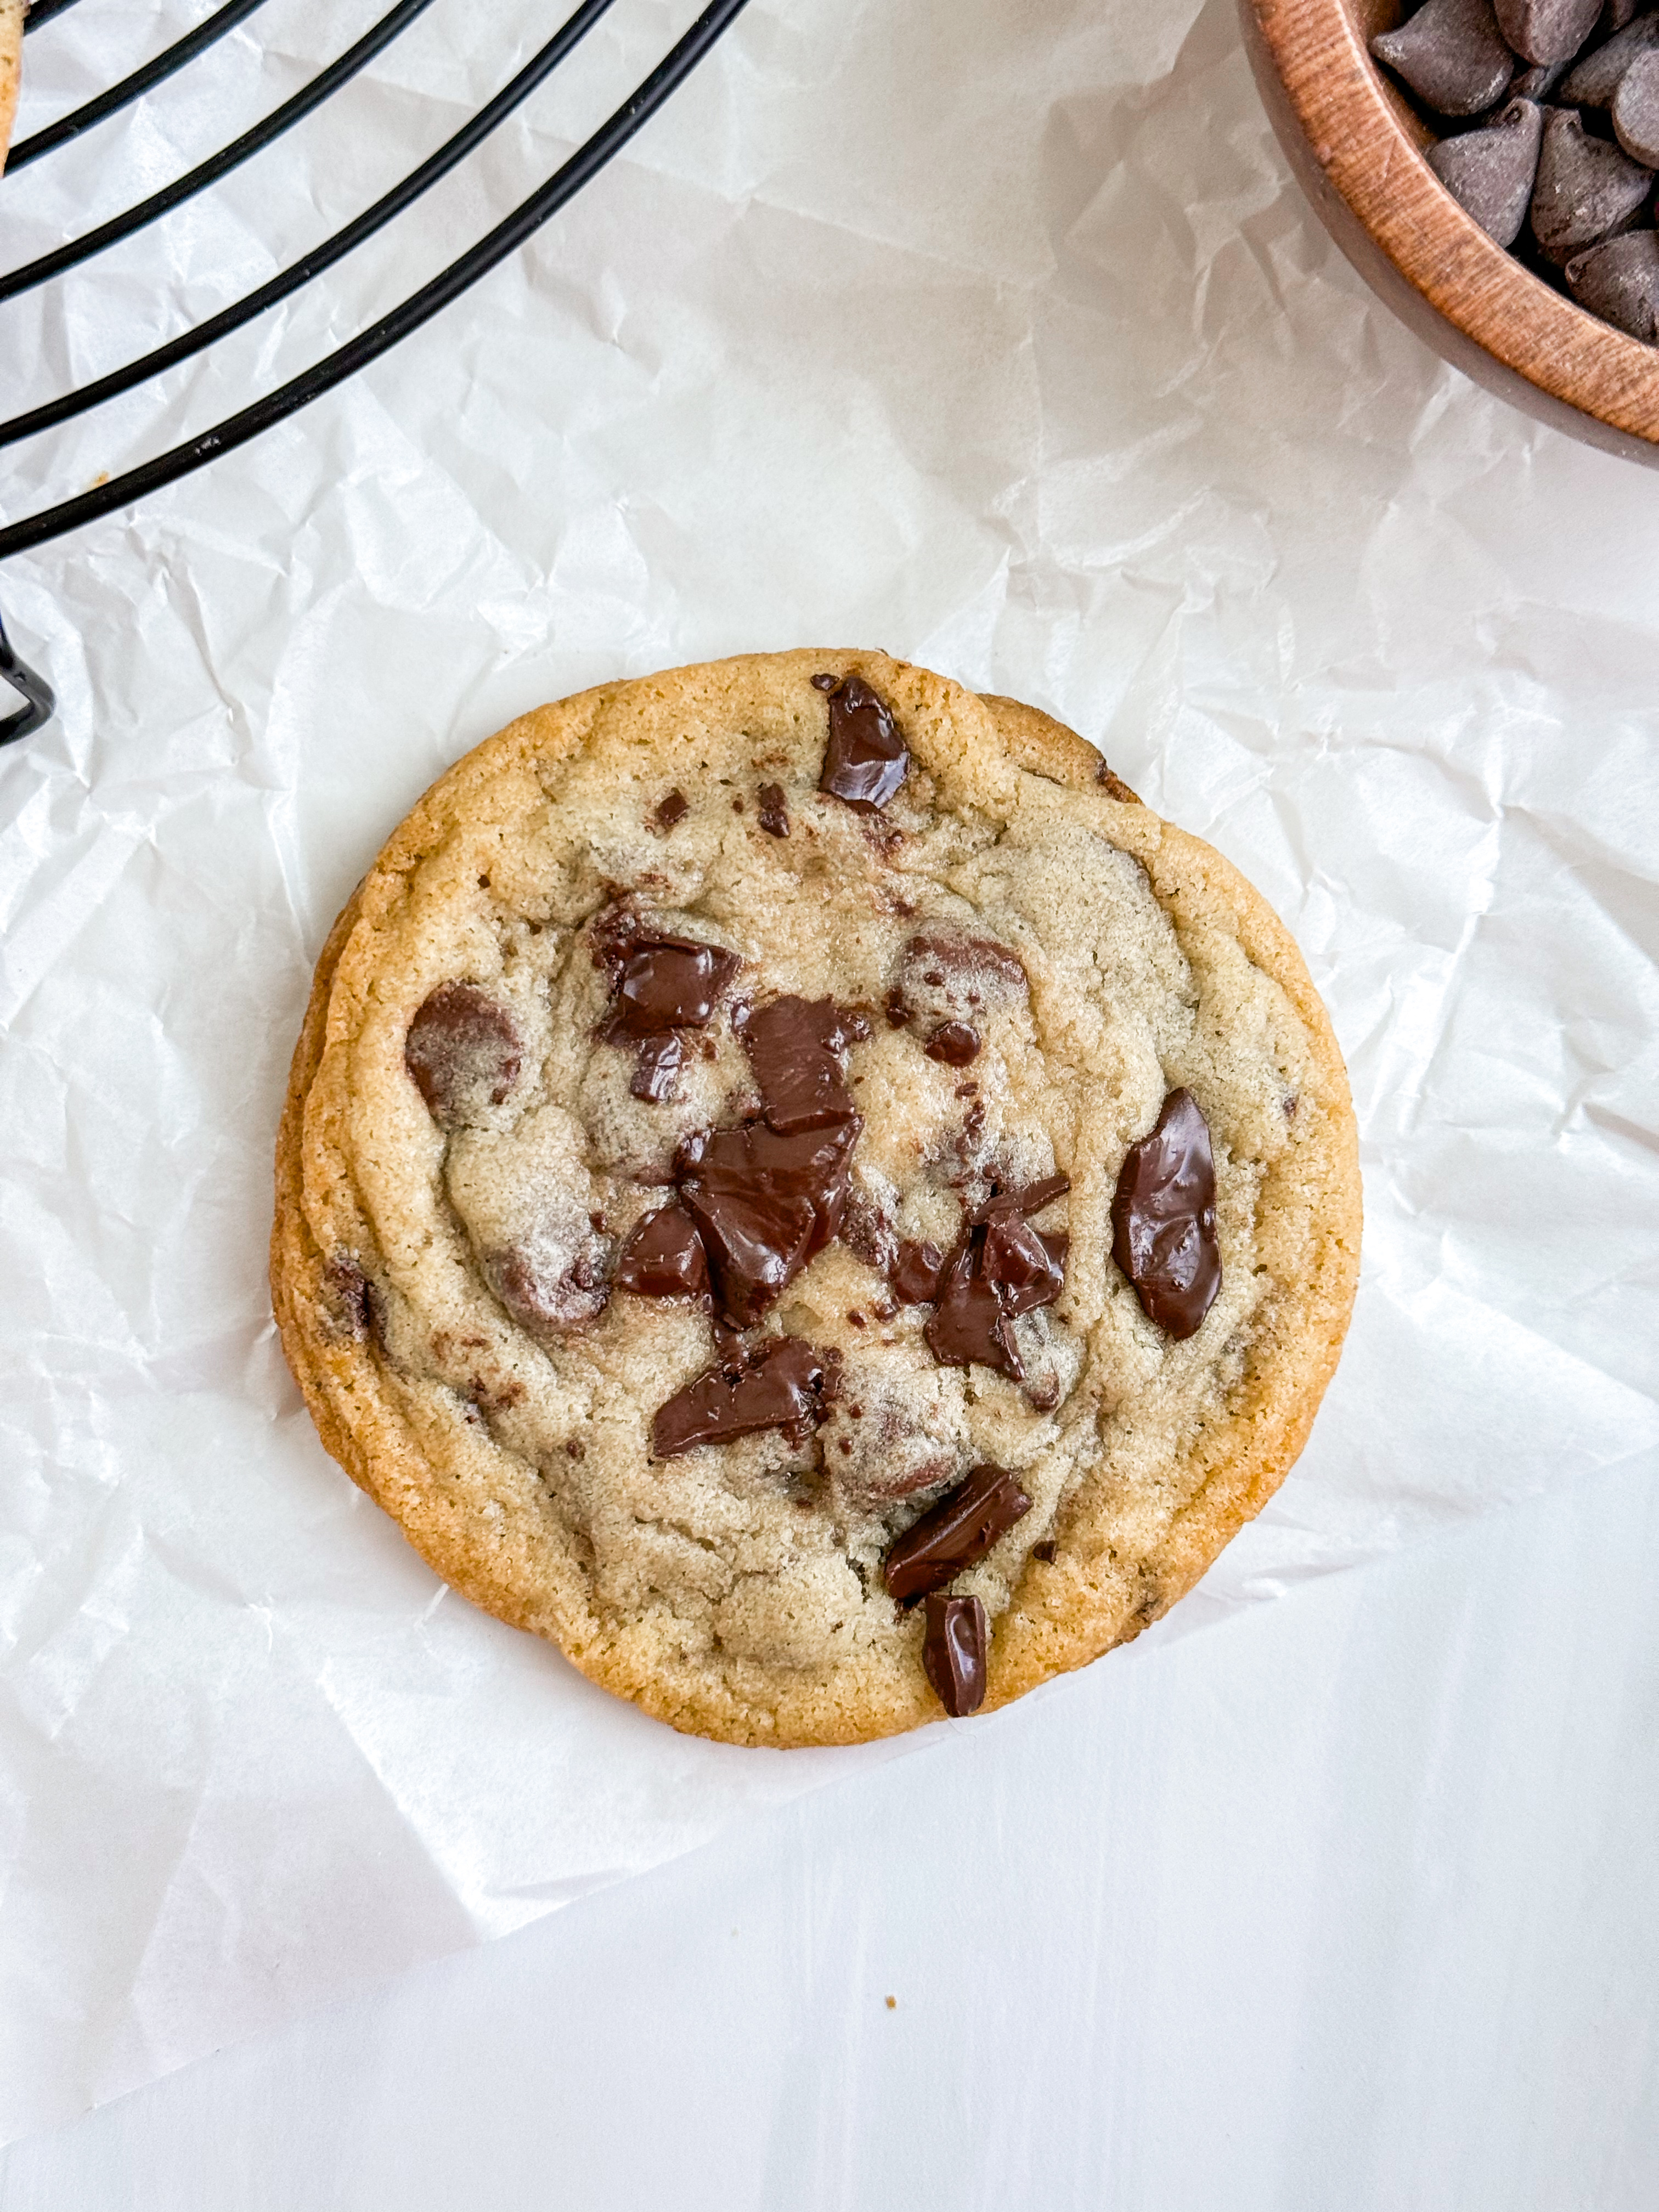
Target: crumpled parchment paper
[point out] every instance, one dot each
(996, 336)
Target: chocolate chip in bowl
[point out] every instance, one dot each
(828, 1266)
(1465, 155)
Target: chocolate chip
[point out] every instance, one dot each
(1027, 1269)
(1586, 190)
(1620, 281)
(865, 760)
(672, 809)
(958, 973)
(668, 983)
(773, 812)
(765, 1203)
(664, 1257)
(795, 1048)
(1030, 1201)
(1114, 786)
(463, 1052)
(1163, 1219)
(539, 1300)
(866, 1229)
(1636, 111)
(954, 1535)
(1044, 1551)
(954, 1043)
(1452, 55)
(1594, 81)
(348, 1297)
(1489, 172)
(656, 1066)
(898, 1014)
(780, 1385)
(1539, 83)
(1546, 31)
(953, 1653)
(915, 1272)
(969, 1324)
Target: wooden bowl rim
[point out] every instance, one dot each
(1337, 94)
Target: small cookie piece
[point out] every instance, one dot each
(703, 1239)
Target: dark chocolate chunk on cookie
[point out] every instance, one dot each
(1163, 1219)
(463, 1052)
(781, 1385)
(954, 1535)
(953, 1653)
(865, 760)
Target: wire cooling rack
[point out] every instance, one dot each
(369, 343)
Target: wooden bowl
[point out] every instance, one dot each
(1356, 145)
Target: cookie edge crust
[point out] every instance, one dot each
(11, 68)
(1063, 1613)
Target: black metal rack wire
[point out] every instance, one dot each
(370, 343)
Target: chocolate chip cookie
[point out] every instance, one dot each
(797, 1187)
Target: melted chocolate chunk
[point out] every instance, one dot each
(795, 1048)
(953, 1653)
(866, 1229)
(954, 1535)
(672, 809)
(1163, 1219)
(773, 810)
(664, 1257)
(915, 1272)
(349, 1298)
(953, 1042)
(1001, 1267)
(1031, 1200)
(865, 760)
(666, 983)
(971, 1322)
(539, 1301)
(463, 1052)
(965, 965)
(1022, 1264)
(780, 1385)
(898, 1014)
(765, 1202)
(656, 1067)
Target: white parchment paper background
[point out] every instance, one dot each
(995, 335)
